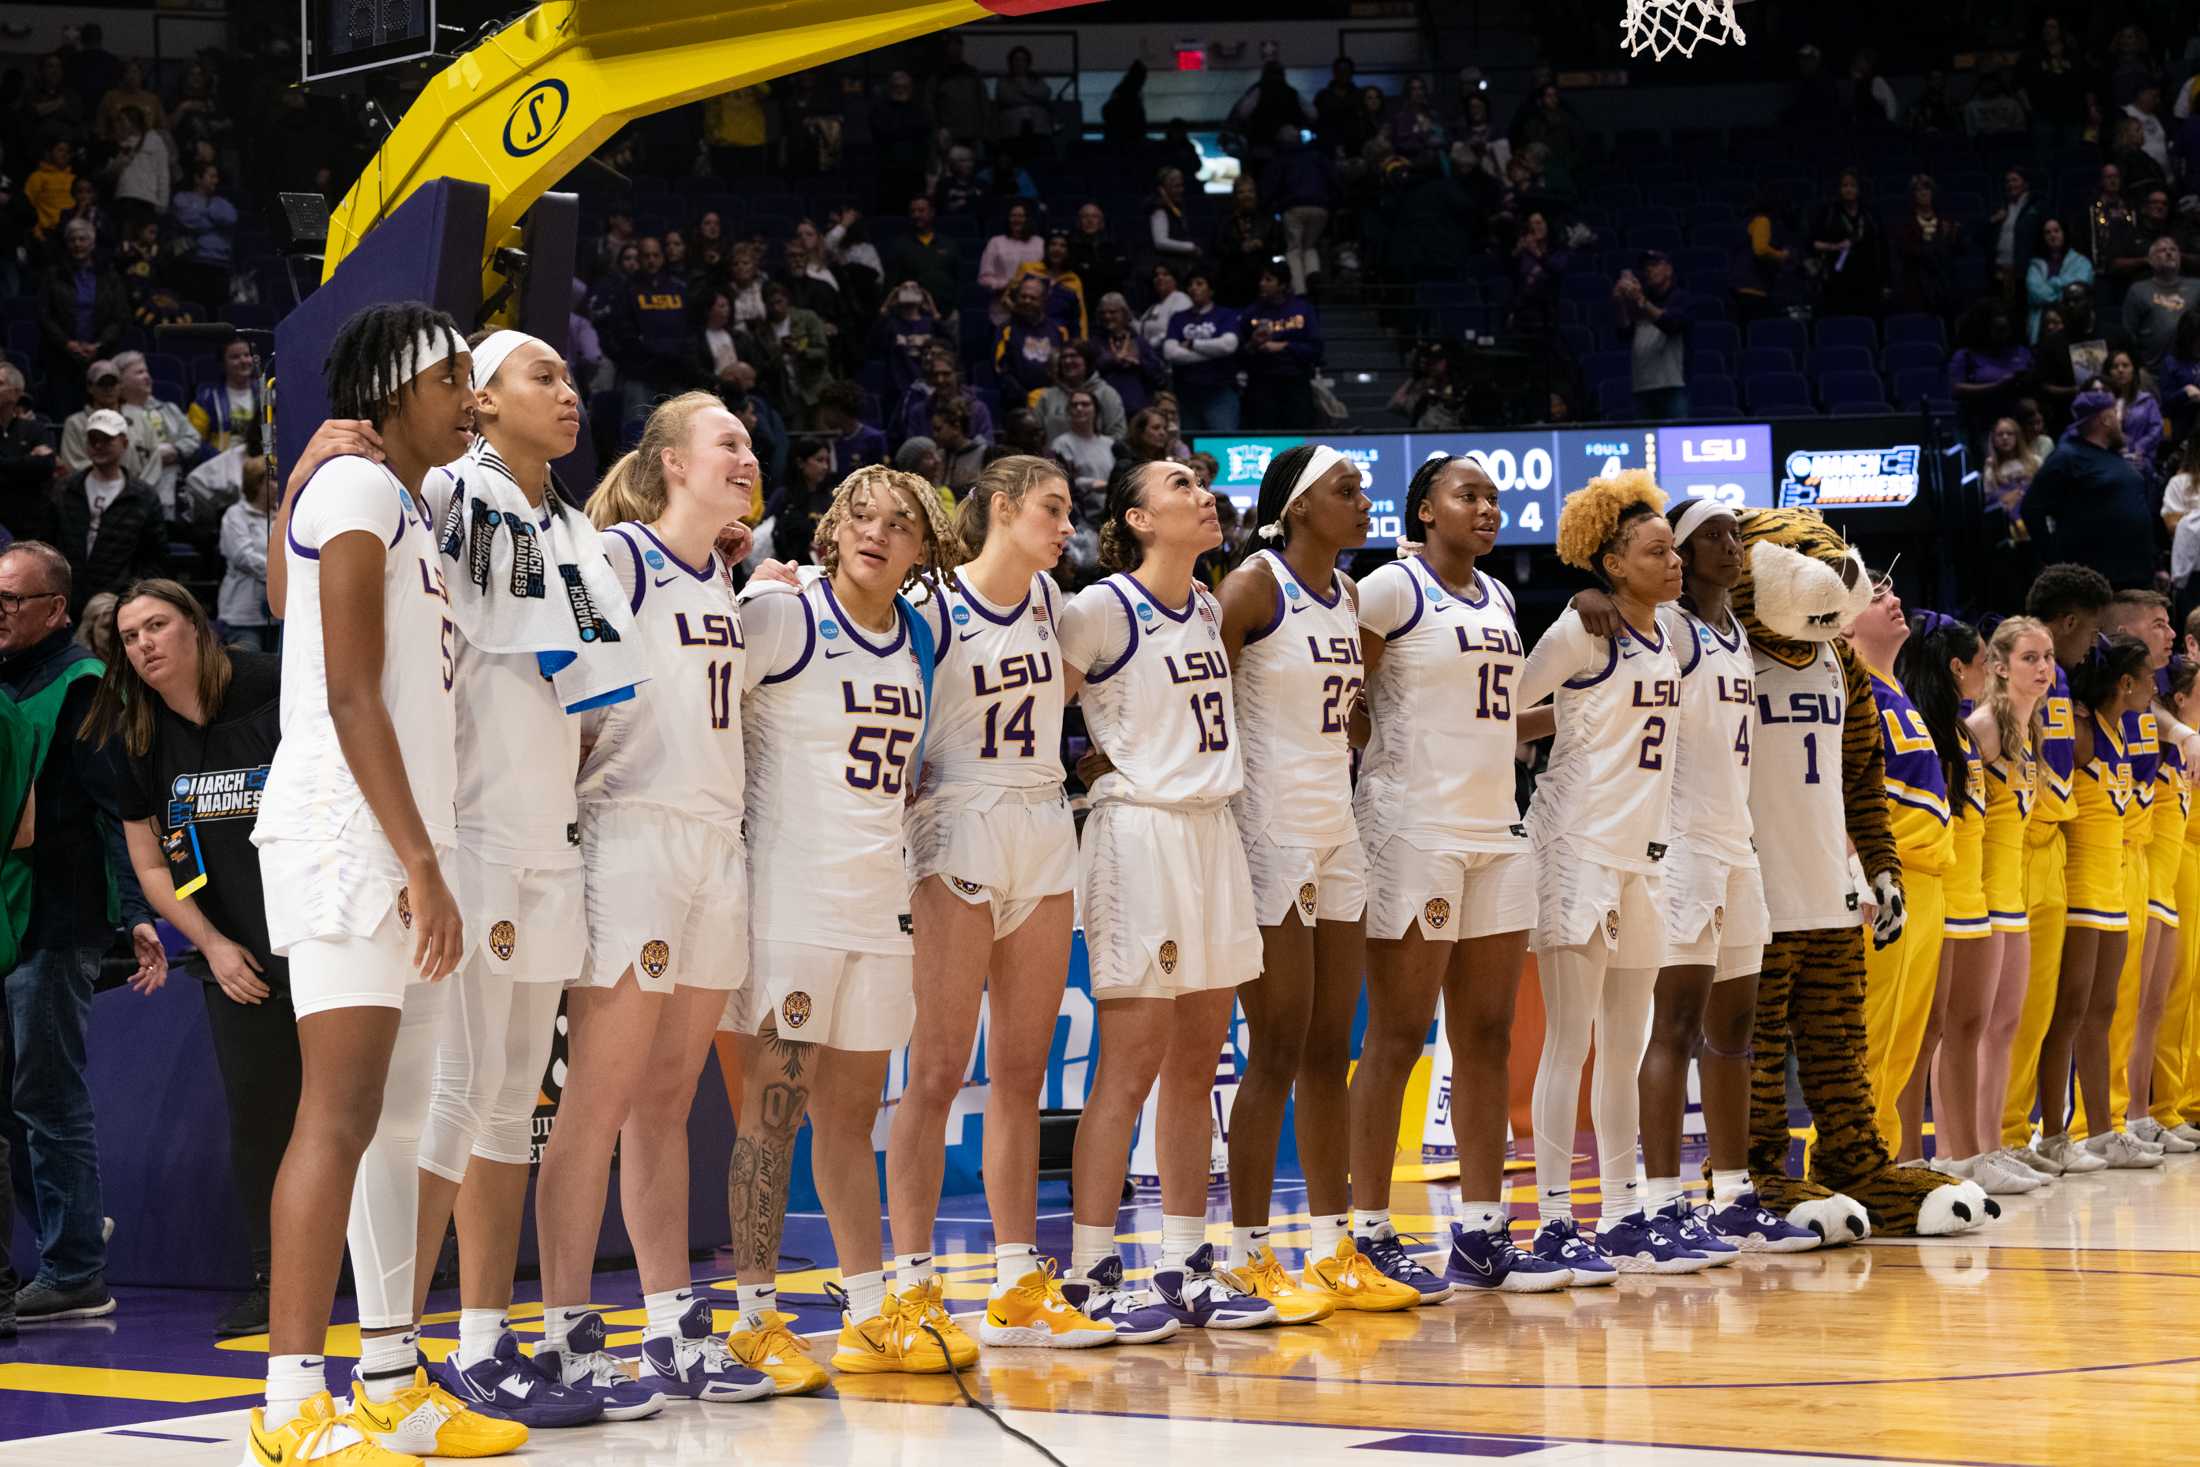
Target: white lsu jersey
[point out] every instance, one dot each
(997, 692)
(510, 728)
(1608, 789)
(311, 794)
(1295, 680)
(677, 742)
(833, 718)
(1795, 793)
(1438, 767)
(1157, 694)
(1718, 725)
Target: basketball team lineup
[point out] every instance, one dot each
(1778, 814)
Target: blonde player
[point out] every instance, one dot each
(665, 879)
(510, 551)
(1600, 824)
(2005, 730)
(1290, 627)
(356, 826)
(2165, 871)
(1166, 897)
(839, 682)
(1716, 920)
(1450, 881)
(992, 864)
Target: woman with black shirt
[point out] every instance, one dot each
(198, 724)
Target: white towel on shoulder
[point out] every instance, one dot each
(524, 579)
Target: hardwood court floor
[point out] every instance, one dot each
(2068, 1332)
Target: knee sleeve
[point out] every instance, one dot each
(385, 1198)
(1623, 1030)
(469, 1068)
(507, 1130)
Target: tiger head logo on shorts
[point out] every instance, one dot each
(1436, 913)
(1306, 899)
(503, 938)
(1718, 919)
(656, 957)
(967, 888)
(795, 1012)
(1168, 956)
(1611, 926)
(405, 906)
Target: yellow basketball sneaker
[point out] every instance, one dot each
(1035, 1315)
(961, 1349)
(1348, 1279)
(317, 1434)
(890, 1342)
(779, 1353)
(1266, 1278)
(429, 1421)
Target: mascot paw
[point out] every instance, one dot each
(1956, 1208)
(1835, 1219)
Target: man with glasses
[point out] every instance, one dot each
(64, 903)
(110, 523)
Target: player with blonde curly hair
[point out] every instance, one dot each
(835, 696)
(1599, 824)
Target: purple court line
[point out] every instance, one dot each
(1738, 1385)
(160, 1436)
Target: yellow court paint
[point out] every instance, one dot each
(127, 1385)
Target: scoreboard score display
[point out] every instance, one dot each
(1829, 463)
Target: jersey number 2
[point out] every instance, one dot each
(1653, 744)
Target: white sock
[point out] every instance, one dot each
(1180, 1239)
(1726, 1186)
(866, 1293)
(1328, 1233)
(913, 1268)
(386, 1364)
(1011, 1261)
(665, 1309)
(1660, 1193)
(478, 1333)
(1488, 1216)
(754, 1301)
(1376, 1225)
(1622, 1195)
(557, 1324)
(1090, 1243)
(1246, 1242)
(1555, 1204)
(292, 1380)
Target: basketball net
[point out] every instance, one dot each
(1664, 26)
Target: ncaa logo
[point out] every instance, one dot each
(653, 560)
(536, 117)
(1145, 612)
(182, 787)
(1291, 591)
(962, 616)
(828, 629)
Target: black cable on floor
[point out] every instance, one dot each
(956, 1371)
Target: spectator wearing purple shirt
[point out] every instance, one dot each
(1123, 358)
(1990, 370)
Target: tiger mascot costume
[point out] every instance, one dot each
(1817, 722)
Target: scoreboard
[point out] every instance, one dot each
(1831, 463)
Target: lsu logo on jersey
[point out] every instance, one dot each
(656, 957)
(1436, 912)
(709, 629)
(1306, 900)
(1167, 955)
(795, 1012)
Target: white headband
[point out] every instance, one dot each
(1324, 459)
(428, 347)
(1692, 518)
(491, 353)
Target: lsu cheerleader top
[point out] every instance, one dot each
(1917, 786)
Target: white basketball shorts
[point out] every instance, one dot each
(1449, 895)
(1008, 849)
(667, 896)
(1166, 900)
(819, 995)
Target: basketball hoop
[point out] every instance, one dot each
(1664, 26)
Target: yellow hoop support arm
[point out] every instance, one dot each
(521, 109)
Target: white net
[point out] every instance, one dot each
(1662, 27)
